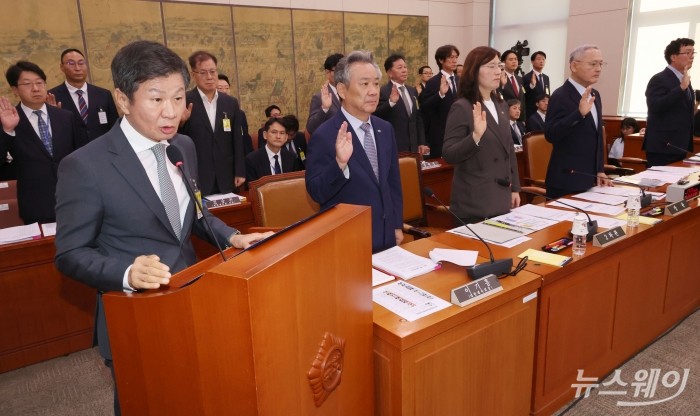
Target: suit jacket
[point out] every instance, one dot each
(219, 153)
(508, 94)
(521, 128)
(535, 123)
(577, 142)
(531, 94)
(408, 128)
(300, 146)
(328, 186)
(316, 114)
(36, 170)
(670, 115)
(435, 111)
(258, 165)
(99, 99)
(475, 190)
(245, 134)
(107, 214)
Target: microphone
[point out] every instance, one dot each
(477, 271)
(592, 225)
(673, 146)
(175, 157)
(645, 199)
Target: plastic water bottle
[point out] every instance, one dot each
(580, 232)
(633, 206)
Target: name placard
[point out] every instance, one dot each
(677, 208)
(476, 290)
(608, 237)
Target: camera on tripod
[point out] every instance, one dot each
(521, 49)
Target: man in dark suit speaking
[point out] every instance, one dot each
(123, 214)
(398, 104)
(671, 106)
(352, 157)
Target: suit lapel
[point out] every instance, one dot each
(496, 128)
(28, 131)
(198, 110)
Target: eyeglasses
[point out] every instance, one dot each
(204, 72)
(38, 84)
(71, 62)
(500, 66)
(595, 64)
(690, 54)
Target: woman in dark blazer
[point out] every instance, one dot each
(478, 142)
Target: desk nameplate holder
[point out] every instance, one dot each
(608, 237)
(677, 208)
(476, 290)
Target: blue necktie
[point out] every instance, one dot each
(44, 133)
(278, 168)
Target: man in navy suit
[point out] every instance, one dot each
(437, 97)
(671, 106)
(353, 158)
(517, 129)
(37, 136)
(213, 122)
(535, 82)
(536, 121)
(273, 158)
(114, 232)
(296, 141)
(325, 103)
(511, 83)
(92, 104)
(574, 126)
(398, 104)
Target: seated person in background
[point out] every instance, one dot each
(224, 87)
(517, 129)
(536, 121)
(617, 148)
(273, 158)
(271, 111)
(296, 142)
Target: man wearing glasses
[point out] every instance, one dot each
(92, 104)
(574, 126)
(213, 122)
(437, 96)
(37, 136)
(671, 106)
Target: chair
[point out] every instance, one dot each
(413, 206)
(637, 164)
(537, 151)
(281, 200)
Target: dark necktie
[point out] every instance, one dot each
(406, 99)
(515, 85)
(278, 168)
(290, 147)
(370, 148)
(539, 81)
(44, 133)
(83, 106)
(167, 190)
(516, 130)
(454, 83)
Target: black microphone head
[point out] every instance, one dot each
(174, 155)
(428, 191)
(568, 171)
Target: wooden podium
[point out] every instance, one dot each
(284, 328)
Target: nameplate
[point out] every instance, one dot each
(476, 290)
(677, 208)
(608, 237)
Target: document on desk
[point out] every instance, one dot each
(487, 232)
(20, 233)
(459, 257)
(379, 277)
(603, 198)
(520, 221)
(48, 229)
(400, 262)
(408, 301)
(608, 222)
(588, 206)
(675, 170)
(557, 215)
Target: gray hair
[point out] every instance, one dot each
(578, 52)
(342, 70)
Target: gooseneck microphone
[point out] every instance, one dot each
(686, 151)
(645, 199)
(175, 157)
(591, 225)
(477, 271)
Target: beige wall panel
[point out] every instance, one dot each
(408, 35)
(265, 59)
(192, 27)
(317, 34)
(110, 24)
(34, 32)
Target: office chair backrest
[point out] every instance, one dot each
(409, 169)
(281, 200)
(537, 153)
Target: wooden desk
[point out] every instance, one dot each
(471, 360)
(600, 310)
(633, 146)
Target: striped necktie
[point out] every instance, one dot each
(370, 148)
(44, 133)
(83, 106)
(167, 190)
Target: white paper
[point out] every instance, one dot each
(524, 222)
(676, 170)
(487, 232)
(607, 222)
(619, 190)
(402, 263)
(544, 212)
(219, 197)
(379, 277)
(458, 257)
(408, 301)
(48, 229)
(19, 233)
(588, 206)
(602, 198)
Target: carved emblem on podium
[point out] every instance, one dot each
(324, 374)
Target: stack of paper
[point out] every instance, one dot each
(400, 262)
(19, 233)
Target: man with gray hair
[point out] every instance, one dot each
(353, 158)
(574, 126)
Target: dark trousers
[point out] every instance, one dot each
(117, 410)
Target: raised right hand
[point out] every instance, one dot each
(326, 99)
(8, 115)
(343, 146)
